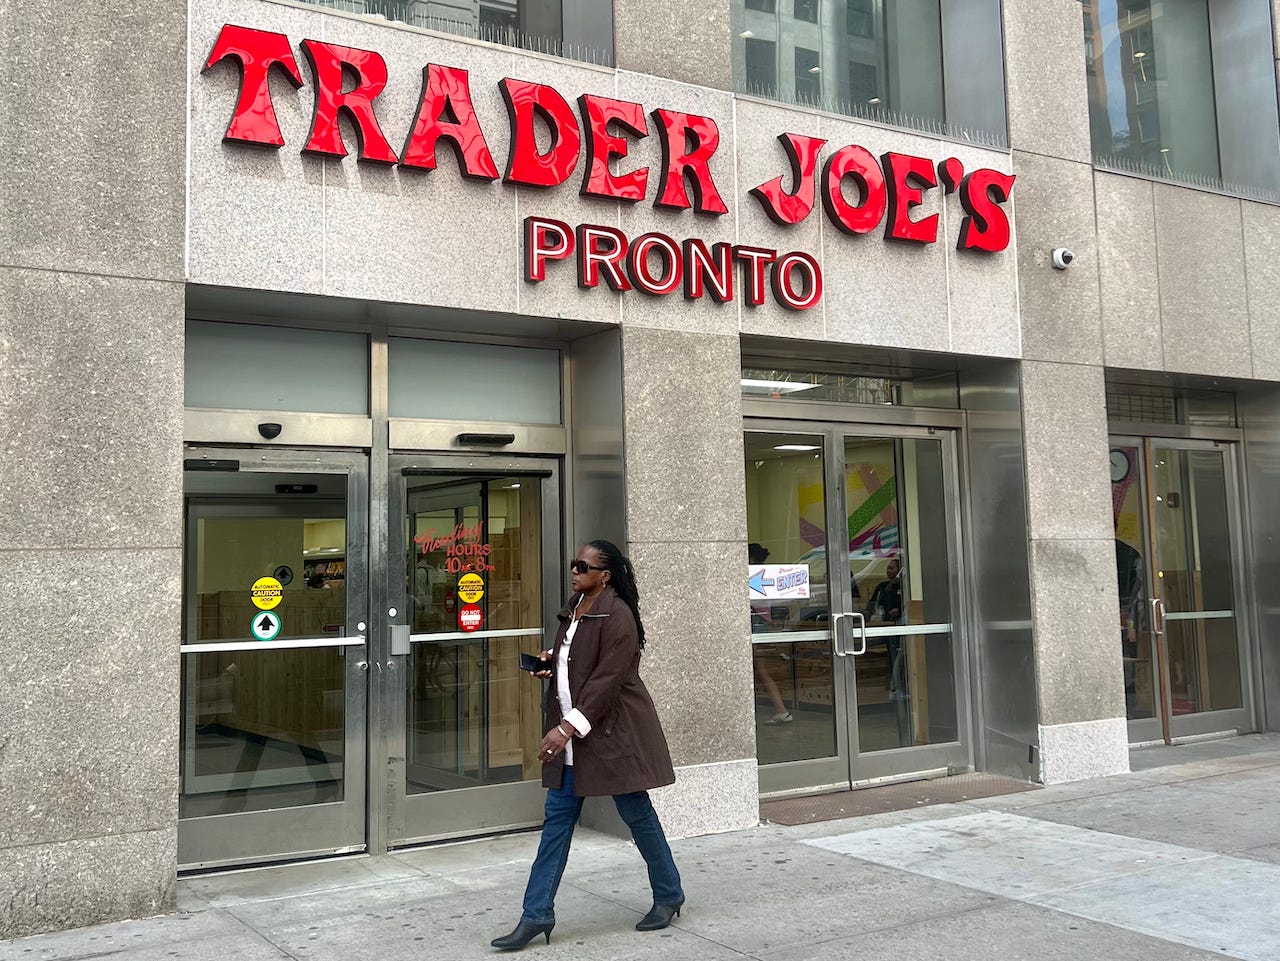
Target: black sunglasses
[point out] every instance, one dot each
(581, 567)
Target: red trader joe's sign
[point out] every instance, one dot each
(884, 189)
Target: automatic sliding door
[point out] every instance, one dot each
(273, 676)
(478, 554)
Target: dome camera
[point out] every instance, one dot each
(1062, 257)
(269, 431)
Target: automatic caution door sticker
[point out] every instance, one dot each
(265, 625)
(266, 593)
(471, 587)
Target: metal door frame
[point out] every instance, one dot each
(418, 818)
(336, 827)
(848, 767)
(1167, 727)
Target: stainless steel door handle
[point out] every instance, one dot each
(1157, 616)
(862, 627)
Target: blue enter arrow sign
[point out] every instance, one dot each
(757, 582)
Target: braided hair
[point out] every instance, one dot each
(623, 578)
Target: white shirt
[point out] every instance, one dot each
(567, 710)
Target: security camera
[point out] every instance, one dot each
(269, 431)
(1062, 257)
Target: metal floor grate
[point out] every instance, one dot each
(891, 797)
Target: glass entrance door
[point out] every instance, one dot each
(853, 585)
(474, 560)
(1177, 567)
(273, 656)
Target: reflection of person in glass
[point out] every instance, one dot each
(885, 607)
(758, 554)
(603, 738)
(1133, 609)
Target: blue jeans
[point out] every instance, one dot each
(562, 810)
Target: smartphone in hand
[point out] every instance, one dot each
(531, 662)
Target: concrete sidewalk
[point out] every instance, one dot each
(1178, 860)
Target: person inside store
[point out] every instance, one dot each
(885, 607)
(603, 738)
(760, 616)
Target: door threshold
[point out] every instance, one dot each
(814, 790)
(215, 868)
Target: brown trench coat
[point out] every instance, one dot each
(626, 750)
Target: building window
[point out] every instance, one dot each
(860, 18)
(1154, 71)
(806, 10)
(864, 84)
(882, 59)
(762, 68)
(808, 76)
(584, 33)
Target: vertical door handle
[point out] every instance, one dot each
(1157, 616)
(837, 647)
(862, 628)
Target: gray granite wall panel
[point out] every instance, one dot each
(673, 39)
(90, 411)
(1262, 272)
(1128, 275)
(683, 437)
(49, 887)
(1064, 422)
(90, 737)
(93, 154)
(1061, 311)
(1045, 78)
(1078, 668)
(1203, 304)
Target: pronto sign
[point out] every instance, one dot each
(858, 192)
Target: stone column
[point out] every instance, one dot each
(686, 530)
(1079, 674)
(91, 333)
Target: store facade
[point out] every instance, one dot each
(907, 493)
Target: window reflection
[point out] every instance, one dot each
(515, 23)
(1151, 87)
(878, 59)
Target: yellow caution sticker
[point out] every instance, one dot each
(266, 593)
(471, 587)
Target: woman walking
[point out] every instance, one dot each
(603, 737)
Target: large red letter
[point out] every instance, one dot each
(987, 226)
(603, 147)
(856, 162)
(791, 208)
(708, 270)
(601, 247)
(907, 178)
(525, 165)
(331, 64)
(544, 239)
(257, 51)
(688, 141)
(446, 111)
(754, 260)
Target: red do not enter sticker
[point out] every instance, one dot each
(470, 617)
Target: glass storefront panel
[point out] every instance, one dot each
(900, 575)
(1196, 581)
(475, 550)
(786, 525)
(1129, 516)
(264, 729)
